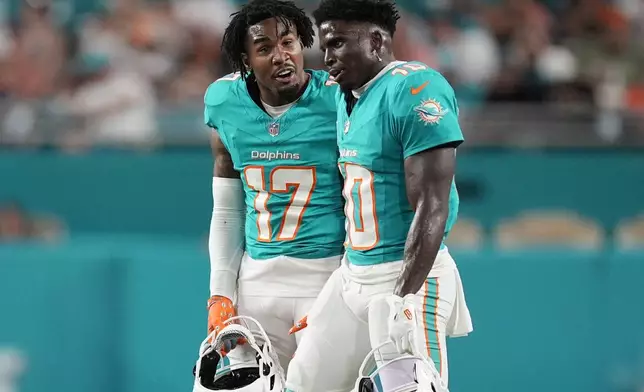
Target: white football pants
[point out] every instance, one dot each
(278, 292)
(350, 317)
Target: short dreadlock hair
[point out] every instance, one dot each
(234, 41)
(382, 13)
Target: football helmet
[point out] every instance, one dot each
(259, 373)
(405, 373)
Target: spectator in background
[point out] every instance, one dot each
(523, 29)
(188, 84)
(466, 53)
(6, 47)
(145, 40)
(101, 32)
(207, 21)
(610, 61)
(30, 69)
(110, 106)
(38, 56)
(159, 41)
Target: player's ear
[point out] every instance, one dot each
(377, 39)
(245, 61)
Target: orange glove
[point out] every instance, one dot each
(300, 325)
(221, 309)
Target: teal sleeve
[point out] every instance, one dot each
(425, 112)
(207, 117)
(217, 97)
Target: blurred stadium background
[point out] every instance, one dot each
(105, 189)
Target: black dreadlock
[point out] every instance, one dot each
(382, 13)
(234, 42)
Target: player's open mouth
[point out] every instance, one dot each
(335, 74)
(285, 75)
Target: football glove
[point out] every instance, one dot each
(300, 325)
(402, 323)
(221, 309)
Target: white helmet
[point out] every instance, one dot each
(258, 373)
(406, 373)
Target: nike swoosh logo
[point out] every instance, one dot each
(416, 90)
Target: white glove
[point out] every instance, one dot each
(402, 323)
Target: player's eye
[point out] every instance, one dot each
(262, 50)
(336, 43)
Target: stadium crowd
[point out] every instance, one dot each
(109, 66)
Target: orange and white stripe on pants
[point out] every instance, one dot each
(437, 297)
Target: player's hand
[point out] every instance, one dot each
(221, 309)
(300, 325)
(402, 322)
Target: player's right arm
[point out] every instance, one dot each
(226, 239)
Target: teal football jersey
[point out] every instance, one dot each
(288, 167)
(409, 109)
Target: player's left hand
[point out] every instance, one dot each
(402, 322)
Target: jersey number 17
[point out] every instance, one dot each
(301, 179)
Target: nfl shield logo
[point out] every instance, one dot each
(274, 129)
(347, 125)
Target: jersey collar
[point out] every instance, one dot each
(245, 93)
(359, 91)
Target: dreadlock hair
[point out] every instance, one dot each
(286, 12)
(382, 13)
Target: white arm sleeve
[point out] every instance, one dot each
(226, 241)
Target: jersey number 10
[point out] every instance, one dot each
(360, 207)
(281, 180)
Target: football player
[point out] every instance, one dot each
(398, 132)
(277, 225)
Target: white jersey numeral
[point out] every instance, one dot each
(282, 179)
(410, 67)
(360, 197)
